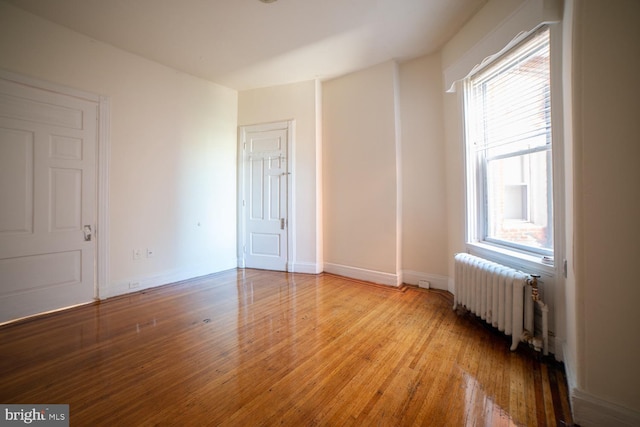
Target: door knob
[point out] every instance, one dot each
(87, 233)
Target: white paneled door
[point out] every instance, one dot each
(47, 200)
(264, 197)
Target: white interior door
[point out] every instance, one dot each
(265, 186)
(47, 200)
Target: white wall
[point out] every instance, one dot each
(361, 211)
(173, 150)
(299, 101)
(571, 301)
(606, 149)
(384, 174)
(424, 219)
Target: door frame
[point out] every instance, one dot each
(289, 126)
(103, 150)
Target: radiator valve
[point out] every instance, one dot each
(534, 286)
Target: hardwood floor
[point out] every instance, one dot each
(248, 347)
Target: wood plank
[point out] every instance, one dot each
(250, 347)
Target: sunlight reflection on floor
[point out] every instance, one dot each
(480, 408)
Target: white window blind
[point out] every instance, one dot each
(512, 100)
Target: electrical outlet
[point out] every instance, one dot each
(150, 253)
(424, 284)
(133, 285)
(137, 254)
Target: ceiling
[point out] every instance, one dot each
(246, 44)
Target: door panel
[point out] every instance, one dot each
(55, 269)
(265, 244)
(47, 194)
(66, 199)
(265, 192)
(16, 181)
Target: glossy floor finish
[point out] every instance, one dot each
(248, 347)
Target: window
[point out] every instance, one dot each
(509, 149)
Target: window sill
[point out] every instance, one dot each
(528, 263)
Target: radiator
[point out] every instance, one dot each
(502, 296)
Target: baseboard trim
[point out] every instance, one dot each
(436, 281)
(589, 410)
(558, 346)
(452, 285)
(305, 268)
(378, 277)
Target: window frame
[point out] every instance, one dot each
(476, 201)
